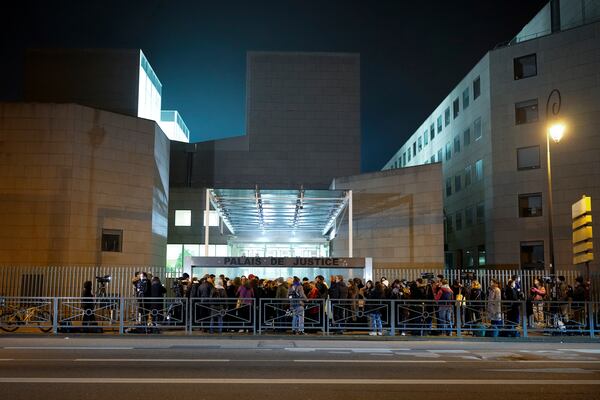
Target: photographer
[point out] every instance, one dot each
(87, 304)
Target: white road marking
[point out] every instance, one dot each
(339, 352)
(588, 351)
(65, 348)
(448, 351)
(371, 361)
(365, 349)
(6, 359)
(296, 381)
(371, 351)
(546, 370)
(177, 360)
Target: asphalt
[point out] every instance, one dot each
(207, 368)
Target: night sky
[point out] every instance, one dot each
(412, 53)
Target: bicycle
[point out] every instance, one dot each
(13, 317)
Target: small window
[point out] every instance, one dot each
(439, 124)
(528, 157)
(479, 170)
(448, 187)
(457, 145)
(433, 158)
(532, 255)
(526, 112)
(448, 151)
(449, 227)
(455, 108)
(530, 205)
(425, 138)
(457, 183)
(480, 213)
(476, 88)
(112, 240)
(465, 98)
(432, 131)
(468, 172)
(213, 218)
(439, 158)
(447, 117)
(409, 153)
(469, 216)
(183, 217)
(467, 137)
(404, 158)
(525, 66)
(420, 144)
(414, 149)
(458, 220)
(477, 129)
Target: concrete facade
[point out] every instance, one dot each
(398, 218)
(67, 172)
(484, 196)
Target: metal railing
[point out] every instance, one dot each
(122, 315)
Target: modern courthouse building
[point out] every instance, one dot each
(489, 135)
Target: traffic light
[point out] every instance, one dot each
(583, 249)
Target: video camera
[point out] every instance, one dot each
(103, 279)
(427, 275)
(467, 276)
(548, 279)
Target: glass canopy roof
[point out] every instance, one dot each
(248, 210)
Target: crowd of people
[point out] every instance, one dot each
(430, 307)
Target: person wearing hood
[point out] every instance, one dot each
(443, 296)
(297, 299)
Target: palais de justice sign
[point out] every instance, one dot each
(330, 262)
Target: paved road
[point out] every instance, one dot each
(145, 368)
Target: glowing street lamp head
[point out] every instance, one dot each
(556, 131)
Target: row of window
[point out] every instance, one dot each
(184, 218)
(468, 178)
(429, 135)
(454, 222)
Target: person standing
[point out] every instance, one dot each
(87, 305)
(218, 306)
(494, 307)
(443, 296)
(297, 299)
(374, 309)
(157, 292)
(511, 294)
(537, 294)
(338, 293)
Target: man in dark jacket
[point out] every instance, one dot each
(338, 293)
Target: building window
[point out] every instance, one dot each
(448, 187)
(479, 170)
(455, 108)
(439, 124)
(404, 159)
(469, 216)
(414, 149)
(467, 137)
(112, 240)
(420, 144)
(530, 205)
(183, 217)
(449, 227)
(425, 138)
(409, 153)
(481, 255)
(528, 157)
(525, 66)
(439, 158)
(468, 171)
(465, 96)
(447, 117)
(526, 111)
(432, 131)
(448, 151)
(457, 145)
(477, 129)
(532, 255)
(457, 183)
(480, 213)
(433, 158)
(213, 218)
(458, 221)
(476, 88)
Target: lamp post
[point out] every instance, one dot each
(555, 129)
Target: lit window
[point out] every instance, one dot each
(528, 157)
(183, 217)
(213, 218)
(425, 138)
(447, 117)
(530, 205)
(526, 111)
(439, 124)
(476, 88)
(465, 98)
(479, 170)
(525, 66)
(432, 131)
(477, 129)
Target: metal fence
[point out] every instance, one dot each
(125, 315)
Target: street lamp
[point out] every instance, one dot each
(555, 130)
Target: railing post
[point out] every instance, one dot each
(458, 320)
(392, 306)
(55, 315)
(260, 304)
(121, 315)
(254, 317)
(323, 305)
(524, 317)
(190, 314)
(327, 310)
(591, 318)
